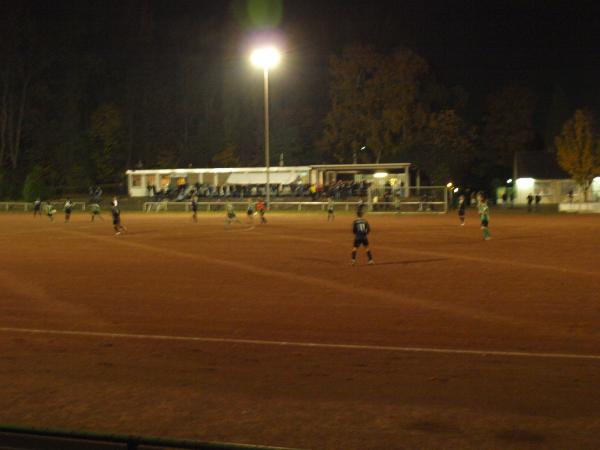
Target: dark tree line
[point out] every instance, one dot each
(88, 89)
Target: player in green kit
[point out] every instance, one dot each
(484, 214)
(330, 209)
(250, 211)
(50, 210)
(231, 217)
(95, 211)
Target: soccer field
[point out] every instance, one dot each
(267, 335)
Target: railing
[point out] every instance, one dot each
(219, 206)
(28, 206)
(22, 206)
(131, 442)
(408, 207)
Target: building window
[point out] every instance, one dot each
(136, 180)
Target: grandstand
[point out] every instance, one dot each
(385, 187)
(284, 180)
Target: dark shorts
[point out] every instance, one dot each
(461, 212)
(330, 211)
(484, 223)
(358, 241)
(231, 215)
(116, 221)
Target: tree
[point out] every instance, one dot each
(106, 127)
(508, 123)
(226, 157)
(374, 102)
(391, 105)
(451, 144)
(35, 185)
(578, 149)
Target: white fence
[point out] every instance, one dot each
(579, 207)
(28, 206)
(415, 207)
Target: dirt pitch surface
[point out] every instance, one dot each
(269, 336)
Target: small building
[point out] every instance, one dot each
(538, 173)
(142, 182)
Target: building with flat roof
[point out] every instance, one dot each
(141, 182)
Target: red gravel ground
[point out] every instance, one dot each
(436, 292)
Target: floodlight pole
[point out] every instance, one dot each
(267, 155)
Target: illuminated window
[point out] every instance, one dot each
(136, 180)
(165, 180)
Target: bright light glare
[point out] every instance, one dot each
(266, 57)
(380, 174)
(525, 183)
(509, 180)
(449, 185)
(455, 190)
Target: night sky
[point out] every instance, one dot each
(479, 45)
(177, 77)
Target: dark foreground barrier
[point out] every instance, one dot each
(18, 437)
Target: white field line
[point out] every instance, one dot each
(317, 345)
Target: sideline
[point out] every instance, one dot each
(318, 345)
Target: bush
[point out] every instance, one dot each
(35, 185)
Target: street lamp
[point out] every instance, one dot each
(266, 58)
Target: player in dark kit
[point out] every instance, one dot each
(461, 209)
(68, 209)
(37, 207)
(116, 214)
(194, 208)
(361, 230)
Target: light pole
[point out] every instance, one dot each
(266, 58)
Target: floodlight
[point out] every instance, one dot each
(265, 58)
(380, 174)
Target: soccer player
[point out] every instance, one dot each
(261, 208)
(37, 207)
(250, 211)
(194, 208)
(68, 208)
(330, 208)
(461, 210)
(50, 210)
(116, 214)
(95, 211)
(484, 213)
(360, 206)
(361, 230)
(231, 217)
